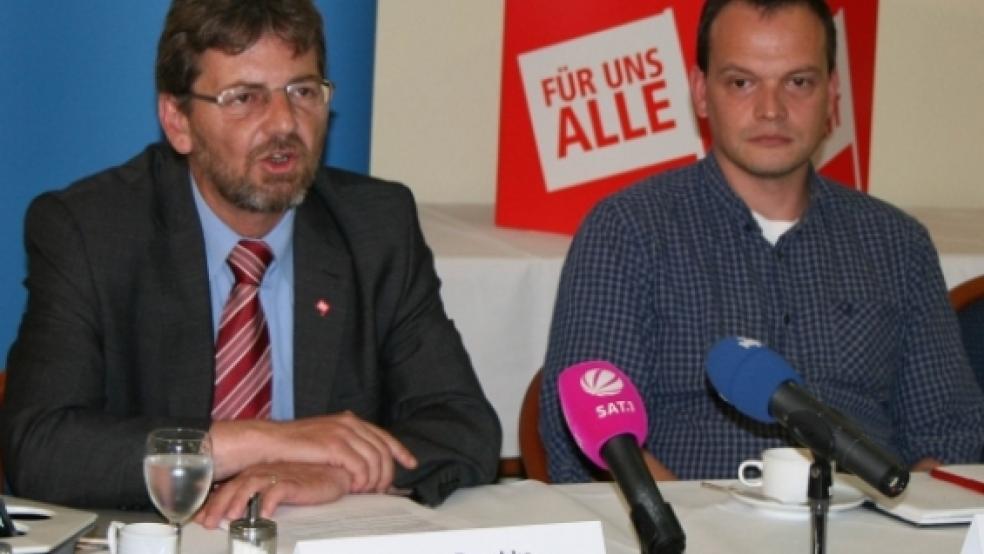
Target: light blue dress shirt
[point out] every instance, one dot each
(276, 293)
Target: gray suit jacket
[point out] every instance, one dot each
(117, 336)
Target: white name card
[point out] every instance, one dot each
(583, 537)
(974, 541)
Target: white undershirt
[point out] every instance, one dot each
(772, 229)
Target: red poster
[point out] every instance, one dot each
(595, 96)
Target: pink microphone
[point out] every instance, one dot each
(600, 403)
(607, 418)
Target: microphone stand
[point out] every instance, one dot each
(818, 495)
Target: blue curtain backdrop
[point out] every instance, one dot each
(77, 96)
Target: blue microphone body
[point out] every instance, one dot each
(760, 384)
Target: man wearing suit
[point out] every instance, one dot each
(361, 381)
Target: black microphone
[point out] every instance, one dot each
(607, 418)
(761, 385)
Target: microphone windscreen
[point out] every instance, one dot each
(747, 374)
(600, 403)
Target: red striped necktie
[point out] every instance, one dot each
(243, 372)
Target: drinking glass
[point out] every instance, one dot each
(178, 472)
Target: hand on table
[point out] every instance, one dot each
(280, 483)
(659, 471)
(343, 440)
(361, 448)
(926, 464)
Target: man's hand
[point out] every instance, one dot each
(660, 472)
(361, 448)
(280, 483)
(926, 464)
(342, 440)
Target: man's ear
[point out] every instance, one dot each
(174, 122)
(698, 91)
(833, 92)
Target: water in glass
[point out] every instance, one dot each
(178, 472)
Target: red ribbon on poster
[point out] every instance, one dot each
(595, 96)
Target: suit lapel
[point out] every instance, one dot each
(187, 350)
(323, 289)
(322, 295)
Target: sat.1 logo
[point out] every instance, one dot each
(602, 382)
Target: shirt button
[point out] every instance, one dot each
(785, 319)
(779, 255)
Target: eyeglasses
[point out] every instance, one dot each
(243, 101)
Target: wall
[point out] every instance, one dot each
(438, 69)
(928, 135)
(78, 96)
(436, 107)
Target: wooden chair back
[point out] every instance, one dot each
(530, 445)
(967, 293)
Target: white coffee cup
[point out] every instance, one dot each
(142, 538)
(785, 474)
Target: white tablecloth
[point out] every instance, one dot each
(712, 521)
(959, 238)
(715, 522)
(499, 287)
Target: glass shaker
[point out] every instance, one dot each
(253, 534)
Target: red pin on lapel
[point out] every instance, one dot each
(322, 306)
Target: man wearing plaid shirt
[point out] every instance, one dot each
(751, 241)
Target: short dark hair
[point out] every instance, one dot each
(231, 26)
(713, 7)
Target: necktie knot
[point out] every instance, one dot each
(249, 260)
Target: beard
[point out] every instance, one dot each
(270, 193)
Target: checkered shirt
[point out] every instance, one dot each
(852, 297)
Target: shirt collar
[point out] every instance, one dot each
(220, 238)
(722, 193)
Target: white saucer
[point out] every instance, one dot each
(842, 497)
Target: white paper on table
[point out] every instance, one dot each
(532, 502)
(974, 541)
(555, 538)
(503, 505)
(930, 501)
(358, 515)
